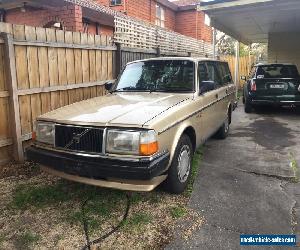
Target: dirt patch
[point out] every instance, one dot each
(39, 211)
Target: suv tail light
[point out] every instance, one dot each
(253, 85)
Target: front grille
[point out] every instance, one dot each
(82, 139)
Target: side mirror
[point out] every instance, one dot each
(206, 86)
(244, 78)
(108, 85)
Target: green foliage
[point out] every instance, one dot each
(26, 196)
(195, 167)
(26, 240)
(295, 168)
(137, 221)
(178, 212)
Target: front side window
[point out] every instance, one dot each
(160, 16)
(115, 2)
(277, 71)
(158, 75)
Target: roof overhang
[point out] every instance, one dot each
(253, 20)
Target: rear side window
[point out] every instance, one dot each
(224, 73)
(277, 71)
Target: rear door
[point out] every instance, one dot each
(215, 96)
(227, 90)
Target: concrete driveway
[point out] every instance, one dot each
(246, 184)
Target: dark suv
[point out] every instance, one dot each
(272, 84)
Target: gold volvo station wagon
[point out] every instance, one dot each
(144, 131)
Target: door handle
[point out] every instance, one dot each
(226, 91)
(217, 96)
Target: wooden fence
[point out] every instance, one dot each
(44, 69)
(245, 63)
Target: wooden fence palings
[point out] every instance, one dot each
(52, 69)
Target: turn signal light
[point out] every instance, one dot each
(253, 86)
(149, 149)
(33, 136)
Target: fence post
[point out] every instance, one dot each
(118, 58)
(11, 75)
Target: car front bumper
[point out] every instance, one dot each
(104, 169)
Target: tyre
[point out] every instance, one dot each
(223, 131)
(180, 170)
(247, 106)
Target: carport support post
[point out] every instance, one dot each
(214, 43)
(237, 66)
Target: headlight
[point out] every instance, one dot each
(45, 132)
(131, 142)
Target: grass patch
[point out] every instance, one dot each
(178, 212)
(137, 221)
(26, 240)
(195, 168)
(295, 168)
(26, 196)
(2, 239)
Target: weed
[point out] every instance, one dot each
(38, 196)
(178, 212)
(26, 240)
(137, 221)
(2, 239)
(295, 167)
(194, 170)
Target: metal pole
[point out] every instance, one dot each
(237, 66)
(214, 43)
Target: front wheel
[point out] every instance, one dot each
(180, 170)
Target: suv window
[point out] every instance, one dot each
(277, 71)
(202, 72)
(213, 74)
(224, 73)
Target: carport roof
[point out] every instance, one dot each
(253, 20)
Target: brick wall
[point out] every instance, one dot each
(144, 10)
(70, 16)
(191, 23)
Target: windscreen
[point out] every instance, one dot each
(277, 71)
(158, 75)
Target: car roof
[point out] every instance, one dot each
(274, 64)
(193, 59)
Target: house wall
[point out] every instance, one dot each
(70, 16)
(191, 23)
(284, 50)
(144, 10)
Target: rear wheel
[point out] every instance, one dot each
(180, 170)
(223, 131)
